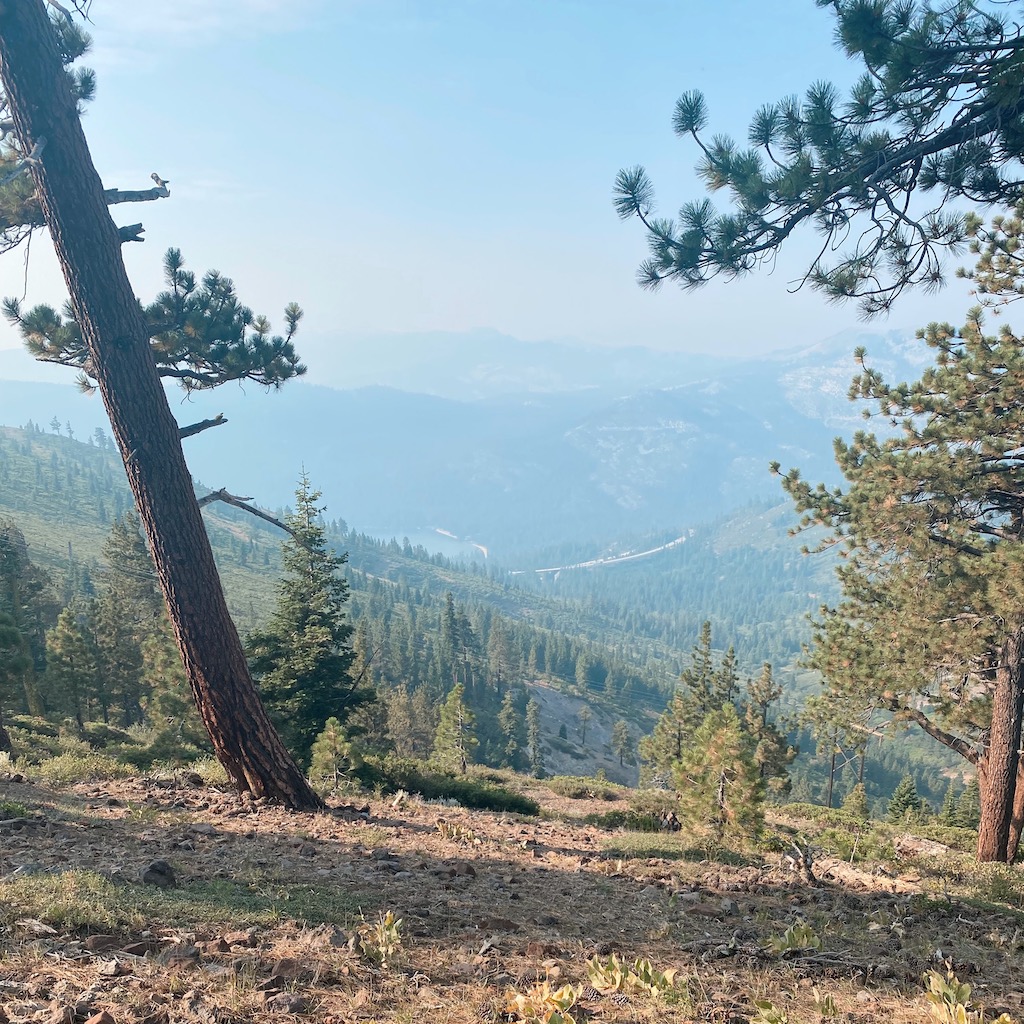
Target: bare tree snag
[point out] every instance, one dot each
(114, 330)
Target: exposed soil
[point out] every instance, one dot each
(264, 917)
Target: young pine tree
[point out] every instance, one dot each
(904, 802)
(303, 659)
(718, 781)
(455, 740)
(331, 756)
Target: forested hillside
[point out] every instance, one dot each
(616, 635)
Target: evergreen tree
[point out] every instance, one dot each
(938, 110)
(583, 716)
(968, 806)
(717, 780)
(856, 802)
(455, 739)
(15, 661)
(932, 529)
(303, 659)
(904, 802)
(72, 668)
(622, 742)
(111, 328)
(772, 754)
(331, 756)
(511, 720)
(533, 738)
(947, 814)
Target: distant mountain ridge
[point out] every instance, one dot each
(548, 442)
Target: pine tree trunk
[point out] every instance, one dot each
(999, 766)
(113, 328)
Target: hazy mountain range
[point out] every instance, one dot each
(511, 444)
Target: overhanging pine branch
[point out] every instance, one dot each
(198, 428)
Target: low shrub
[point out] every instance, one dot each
(71, 767)
(581, 787)
(389, 774)
(631, 821)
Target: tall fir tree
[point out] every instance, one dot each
(303, 659)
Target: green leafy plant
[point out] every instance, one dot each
(613, 975)
(381, 941)
(797, 938)
(949, 1000)
(543, 1005)
(768, 1013)
(457, 833)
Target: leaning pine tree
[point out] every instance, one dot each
(53, 181)
(930, 630)
(303, 659)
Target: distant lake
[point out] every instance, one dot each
(435, 542)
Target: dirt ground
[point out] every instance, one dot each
(272, 915)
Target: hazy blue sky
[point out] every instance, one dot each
(446, 164)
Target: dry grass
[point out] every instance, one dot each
(275, 913)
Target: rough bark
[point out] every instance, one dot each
(999, 765)
(114, 330)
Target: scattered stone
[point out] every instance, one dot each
(497, 924)
(287, 967)
(113, 969)
(288, 1002)
(180, 952)
(141, 948)
(159, 873)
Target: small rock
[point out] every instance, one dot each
(288, 1002)
(113, 969)
(141, 948)
(286, 967)
(159, 873)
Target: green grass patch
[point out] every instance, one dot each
(12, 809)
(71, 767)
(581, 787)
(390, 774)
(83, 900)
